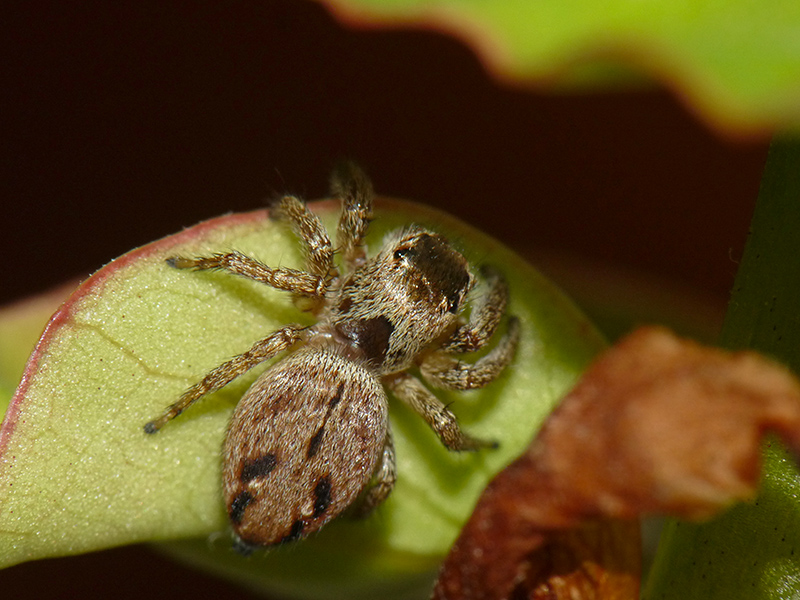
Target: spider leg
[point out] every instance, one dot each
(487, 310)
(448, 372)
(351, 184)
(311, 232)
(383, 482)
(221, 376)
(441, 419)
(289, 280)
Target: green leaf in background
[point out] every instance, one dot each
(753, 551)
(736, 62)
(77, 473)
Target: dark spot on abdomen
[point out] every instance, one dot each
(315, 442)
(238, 506)
(336, 398)
(294, 533)
(260, 467)
(322, 496)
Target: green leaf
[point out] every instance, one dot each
(752, 551)
(77, 473)
(21, 324)
(737, 62)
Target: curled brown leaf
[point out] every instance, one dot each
(657, 424)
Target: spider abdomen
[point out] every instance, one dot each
(300, 449)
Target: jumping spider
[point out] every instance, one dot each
(312, 433)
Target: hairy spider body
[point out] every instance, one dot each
(311, 434)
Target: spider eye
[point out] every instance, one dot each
(401, 253)
(453, 302)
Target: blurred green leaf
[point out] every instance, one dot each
(752, 551)
(736, 62)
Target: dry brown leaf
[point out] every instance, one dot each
(657, 424)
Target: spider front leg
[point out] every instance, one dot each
(311, 232)
(262, 350)
(450, 373)
(487, 310)
(353, 187)
(441, 419)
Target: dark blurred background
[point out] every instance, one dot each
(124, 122)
